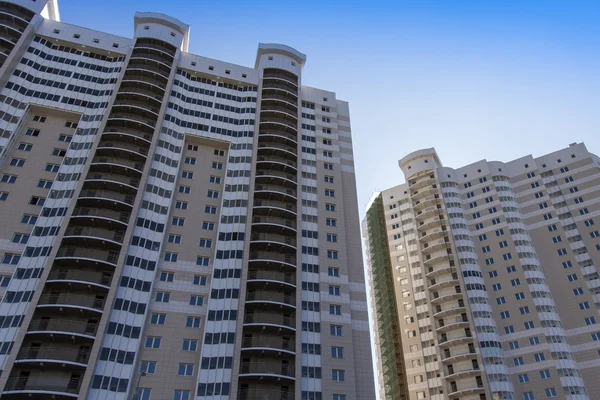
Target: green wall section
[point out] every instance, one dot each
(386, 313)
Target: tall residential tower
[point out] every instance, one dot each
(484, 279)
(173, 226)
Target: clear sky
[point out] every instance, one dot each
(474, 79)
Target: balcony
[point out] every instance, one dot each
(424, 203)
(112, 182)
(437, 258)
(468, 390)
(77, 357)
(268, 298)
(265, 394)
(452, 325)
(278, 150)
(159, 45)
(433, 272)
(273, 242)
(106, 199)
(122, 134)
(133, 87)
(150, 78)
(277, 177)
(275, 192)
(41, 388)
(72, 300)
(278, 117)
(16, 11)
(274, 136)
(426, 181)
(263, 342)
(432, 247)
(280, 99)
(446, 297)
(136, 107)
(272, 224)
(117, 165)
(133, 117)
(457, 309)
(276, 163)
(118, 124)
(62, 326)
(443, 284)
(100, 218)
(262, 320)
(87, 256)
(432, 235)
(267, 125)
(423, 193)
(80, 276)
(266, 278)
(281, 74)
(150, 65)
(430, 223)
(275, 208)
(455, 341)
(122, 150)
(272, 261)
(263, 370)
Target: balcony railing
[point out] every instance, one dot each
(54, 353)
(42, 384)
(115, 236)
(260, 295)
(272, 342)
(270, 368)
(80, 275)
(272, 276)
(108, 194)
(88, 253)
(270, 318)
(101, 213)
(72, 299)
(265, 394)
(63, 325)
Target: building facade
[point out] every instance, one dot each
(484, 279)
(174, 226)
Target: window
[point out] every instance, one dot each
(158, 319)
(199, 280)
(528, 396)
(335, 330)
(6, 178)
(140, 393)
(520, 296)
(51, 168)
(208, 226)
(202, 260)
(578, 291)
(496, 287)
(493, 274)
(499, 232)
(590, 320)
(333, 271)
(337, 352)
(329, 193)
(152, 342)
(25, 146)
(337, 375)
(500, 300)
(192, 322)
(59, 152)
(206, 243)
(513, 345)
(328, 179)
(509, 329)
(162, 297)
(332, 254)
(181, 395)
(44, 184)
(562, 252)
(32, 132)
(328, 166)
(534, 341)
(149, 367)
(529, 325)
(505, 314)
(20, 238)
(518, 361)
(39, 118)
(187, 175)
(29, 219)
(327, 142)
(182, 205)
(515, 282)
(196, 300)
(189, 345)
(539, 357)
(584, 306)
(335, 309)
(550, 392)
(331, 222)
(192, 147)
(339, 397)
(524, 310)
(217, 165)
(189, 160)
(334, 290)
(65, 138)
(174, 238)
(17, 162)
(327, 154)
(572, 277)
(215, 179)
(523, 378)
(185, 369)
(172, 257)
(212, 194)
(178, 221)
(184, 189)
(167, 276)
(510, 269)
(545, 374)
(329, 207)
(3, 196)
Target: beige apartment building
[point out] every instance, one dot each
(484, 280)
(173, 226)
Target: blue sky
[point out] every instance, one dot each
(475, 79)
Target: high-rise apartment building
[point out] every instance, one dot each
(484, 279)
(173, 226)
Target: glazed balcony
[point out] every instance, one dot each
(281, 99)
(275, 208)
(119, 133)
(269, 260)
(265, 394)
(275, 136)
(142, 89)
(41, 388)
(157, 45)
(70, 356)
(261, 320)
(88, 302)
(106, 199)
(111, 182)
(275, 192)
(100, 217)
(272, 224)
(62, 326)
(87, 255)
(122, 150)
(117, 165)
(270, 299)
(266, 370)
(281, 74)
(267, 278)
(74, 277)
(278, 150)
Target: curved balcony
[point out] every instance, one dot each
(151, 78)
(418, 183)
(267, 125)
(271, 177)
(433, 222)
(265, 394)
(106, 199)
(437, 259)
(16, 11)
(272, 261)
(424, 203)
(13, 22)
(449, 311)
(455, 341)
(278, 150)
(8, 32)
(273, 242)
(99, 217)
(270, 299)
(136, 107)
(458, 357)
(272, 224)
(135, 118)
(117, 165)
(452, 325)
(61, 326)
(446, 297)
(72, 277)
(276, 98)
(276, 193)
(278, 117)
(133, 87)
(262, 370)
(443, 284)
(423, 193)
(262, 343)
(273, 136)
(122, 134)
(41, 388)
(7, 44)
(432, 247)
(266, 278)
(280, 81)
(72, 301)
(281, 74)
(261, 320)
(87, 256)
(439, 270)
(466, 391)
(277, 164)
(275, 208)
(166, 48)
(111, 182)
(123, 150)
(152, 66)
(427, 213)
(62, 355)
(432, 235)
